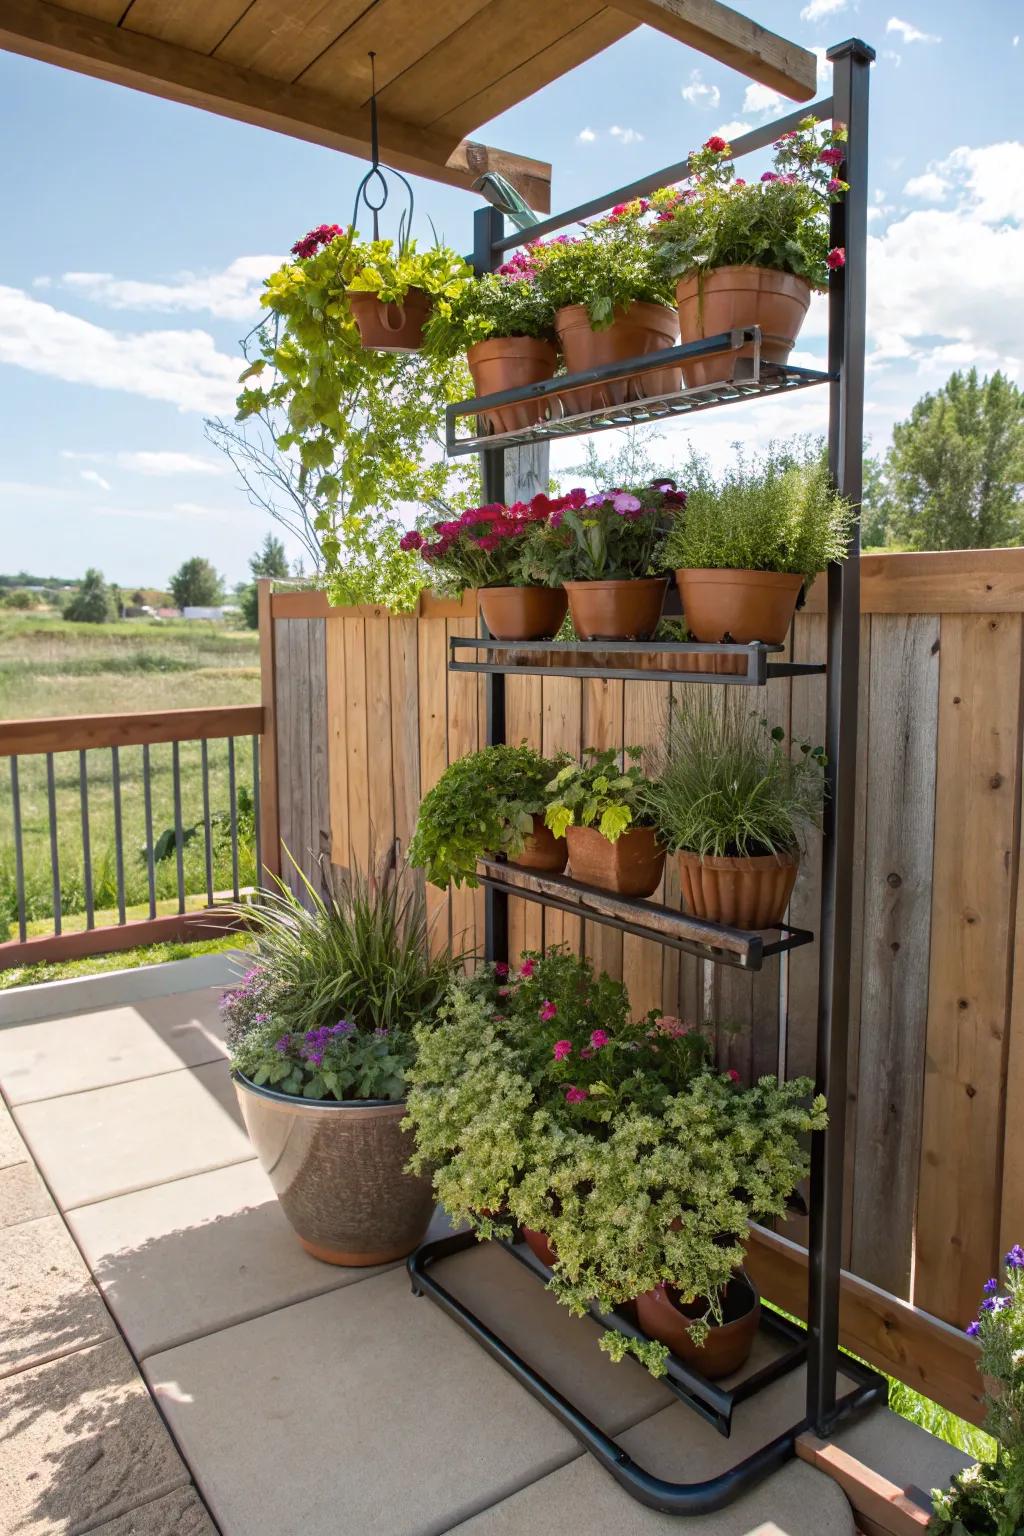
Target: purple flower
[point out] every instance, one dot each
(991, 1286)
(315, 1058)
(972, 1330)
(380, 1033)
(995, 1304)
(624, 502)
(284, 1044)
(1015, 1257)
(344, 1027)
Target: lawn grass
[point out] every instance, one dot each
(123, 960)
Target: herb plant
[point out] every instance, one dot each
(606, 268)
(599, 793)
(491, 546)
(497, 304)
(389, 272)
(610, 536)
(482, 804)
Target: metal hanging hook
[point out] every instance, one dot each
(373, 191)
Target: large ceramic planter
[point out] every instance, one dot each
(511, 362)
(727, 1346)
(338, 1170)
(737, 892)
(391, 327)
(739, 605)
(637, 330)
(617, 610)
(631, 866)
(523, 613)
(543, 851)
(730, 298)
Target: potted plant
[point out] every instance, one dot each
(610, 303)
(505, 326)
(607, 553)
(745, 254)
(735, 807)
(490, 549)
(485, 804)
(539, 1097)
(392, 290)
(988, 1498)
(599, 808)
(749, 544)
(320, 1037)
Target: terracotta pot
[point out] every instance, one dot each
(730, 298)
(523, 613)
(617, 610)
(511, 362)
(739, 605)
(543, 850)
(739, 893)
(539, 1247)
(391, 327)
(631, 866)
(637, 330)
(727, 1346)
(338, 1171)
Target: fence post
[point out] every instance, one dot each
(270, 832)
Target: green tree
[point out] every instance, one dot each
(269, 560)
(19, 598)
(195, 584)
(954, 475)
(875, 509)
(91, 603)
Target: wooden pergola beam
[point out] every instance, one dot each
(73, 41)
(732, 39)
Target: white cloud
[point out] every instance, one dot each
(732, 130)
(892, 57)
(930, 185)
(699, 93)
(232, 294)
(156, 461)
(763, 100)
(93, 477)
(817, 9)
(824, 84)
(182, 368)
(1015, 41)
(586, 136)
(626, 135)
(910, 33)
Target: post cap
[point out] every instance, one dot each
(854, 47)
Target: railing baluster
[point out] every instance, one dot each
(256, 808)
(233, 812)
(147, 795)
(51, 796)
(207, 830)
(83, 795)
(19, 855)
(179, 842)
(115, 764)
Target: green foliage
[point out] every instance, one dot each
(372, 567)
(599, 793)
(389, 271)
(726, 784)
(195, 584)
(269, 560)
(777, 512)
(613, 535)
(91, 604)
(19, 599)
(492, 305)
(607, 268)
(483, 804)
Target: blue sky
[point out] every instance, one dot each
(136, 233)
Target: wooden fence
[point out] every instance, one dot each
(366, 716)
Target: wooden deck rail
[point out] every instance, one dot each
(79, 733)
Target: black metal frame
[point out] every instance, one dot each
(758, 669)
(845, 376)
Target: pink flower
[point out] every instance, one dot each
(587, 1052)
(576, 1095)
(832, 156)
(836, 258)
(669, 1025)
(412, 540)
(622, 501)
(547, 1012)
(504, 991)
(769, 176)
(733, 1075)
(716, 144)
(561, 1049)
(501, 969)
(526, 969)
(835, 185)
(739, 182)
(599, 1038)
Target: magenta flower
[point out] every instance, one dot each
(561, 1049)
(835, 185)
(547, 1011)
(733, 1075)
(599, 1038)
(526, 969)
(836, 258)
(576, 1095)
(624, 502)
(832, 156)
(501, 969)
(769, 176)
(412, 540)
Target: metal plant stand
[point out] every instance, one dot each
(817, 1347)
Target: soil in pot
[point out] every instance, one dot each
(523, 613)
(730, 298)
(662, 1316)
(338, 1171)
(543, 850)
(739, 605)
(391, 327)
(631, 866)
(617, 610)
(511, 362)
(637, 330)
(737, 892)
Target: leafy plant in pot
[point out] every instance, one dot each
(320, 1036)
(736, 807)
(485, 804)
(599, 808)
(392, 291)
(749, 543)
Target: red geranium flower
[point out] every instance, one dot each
(836, 258)
(716, 143)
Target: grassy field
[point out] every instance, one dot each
(50, 667)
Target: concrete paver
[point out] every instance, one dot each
(177, 1514)
(12, 1148)
(48, 1303)
(23, 1195)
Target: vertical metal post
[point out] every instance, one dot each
(83, 791)
(115, 767)
(51, 798)
(147, 791)
(851, 63)
(19, 853)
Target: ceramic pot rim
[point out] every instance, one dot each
(788, 580)
(619, 581)
(295, 1101)
(525, 586)
(539, 344)
(739, 1277)
(621, 312)
(781, 860)
(778, 276)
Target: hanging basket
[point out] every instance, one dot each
(386, 327)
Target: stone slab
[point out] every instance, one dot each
(110, 1045)
(112, 989)
(23, 1195)
(48, 1303)
(900, 1451)
(12, 1148)
(110, 1141)
(82, 1443)
(177, 1514)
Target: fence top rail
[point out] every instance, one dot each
(73, 733)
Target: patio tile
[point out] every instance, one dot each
(110, 1141)
(889, 1445)
(110, 1045)
(12, 1148)
(23, 1195)
(177, 1514)
(48, 1303)
(81, 1443)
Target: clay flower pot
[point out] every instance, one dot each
(523, 613)
(391, 327)
(749, 892)
(740, 605)
(631, 866)
(617, 610)
(730, 298)
(511, 362)
(543, 851)
(338, 1170)
(727, 1346)
(540, 1247)
(635, 331)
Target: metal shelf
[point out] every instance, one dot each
(742, 948)
(524, 659)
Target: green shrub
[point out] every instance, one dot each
(607, 268)
(492, 305)
(599, 793)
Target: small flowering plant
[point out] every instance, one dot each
(988, 1499)
(491, 546)
(497, 304)
(599, 793)
(608, 267)
(612, 535)
(780, 221)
